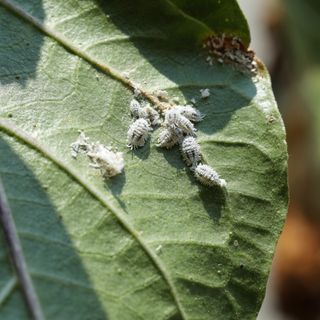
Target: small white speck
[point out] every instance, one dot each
(158, 249)
(205, 93)
(236, 243)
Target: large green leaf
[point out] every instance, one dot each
(89, 245)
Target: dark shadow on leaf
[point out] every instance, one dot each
(213, 198)
(143, 152)
(19, 63)
(173, 157)
(57, 270)
(115, 185)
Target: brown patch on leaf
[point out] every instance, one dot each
(230, 50)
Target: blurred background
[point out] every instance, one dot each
(286, 37)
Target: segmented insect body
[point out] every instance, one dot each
(191, 113)
(169, 137)
(173, 118)
(190, 151)
(138, 133)
(207, 176)
(152, 115)
(136, 109)
(109, 162)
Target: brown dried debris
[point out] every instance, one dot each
(230, 50)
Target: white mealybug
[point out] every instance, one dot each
(191, 113)
(138, 133)
(136, 109)
(173, 118)
(152, 115)
(190, 151)
(205, 93)
(169, 137)
(207, 176)
(109, 162)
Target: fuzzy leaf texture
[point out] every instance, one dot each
(151, 243)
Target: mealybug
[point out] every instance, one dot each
(169, 138)
(191, 113)
(136, 110)
(173, 118)
(207, 176)
(109, 162)
(152, 115)
(138, 133)
(190, 151)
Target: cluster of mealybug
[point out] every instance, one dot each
(178, 129)
(145, 117)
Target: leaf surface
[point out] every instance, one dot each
(151, 243)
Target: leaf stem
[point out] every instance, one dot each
(13, 131)
(15, 249)
(68, 45)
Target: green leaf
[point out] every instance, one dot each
(150, 243)
(187, 23)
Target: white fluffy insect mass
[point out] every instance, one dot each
(174, 119)
(191, 113)
(138, 133)
(110, 162)
(207, 176)
(152, 115)
(145, 117)
(136, 109)
(169, 137)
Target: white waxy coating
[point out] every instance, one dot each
(191, 113)
(152, 115)
(190, 151)
(169, 138)
(136, 109)
(109, 162)
(138, 133)
(207, 176)
(173, 118)
(205, 93)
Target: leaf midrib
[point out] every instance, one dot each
(68, 45)
(22, 136)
